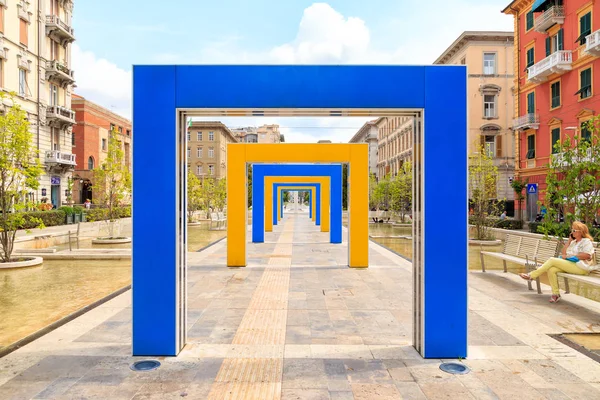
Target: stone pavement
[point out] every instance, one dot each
(298, 324)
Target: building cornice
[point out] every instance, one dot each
(473, 36)
(78, 100)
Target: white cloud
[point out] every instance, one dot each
(102, 82)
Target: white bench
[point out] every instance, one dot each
(527, 251)
(217, 219)
(592, 279)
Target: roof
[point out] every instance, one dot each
(471, 36)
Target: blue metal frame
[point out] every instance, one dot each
(260, 171)
(317, 194)
(159, 91)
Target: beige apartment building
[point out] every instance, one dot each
(394, 144)
(489, 60)
(35, 63)
(269, 134)
(368, 134)
(207, 148)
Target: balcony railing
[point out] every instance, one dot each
(559, 61)
(59, 30)
(553, 15)
(592, 43)
(559, 158)
(527, 121)
(58, 71)
(61, 116)
(58, 157)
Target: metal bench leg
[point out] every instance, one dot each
(539, 288)
(482, 263)
(505, 267)
(567, 288)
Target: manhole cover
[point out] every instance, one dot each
(147, 365)
(455, 368)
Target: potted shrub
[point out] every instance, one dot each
(68, 212)
(78, 213)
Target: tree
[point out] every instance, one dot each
(194, 195)
(381, 194)
(483, 176)
(249, 185)
(372, 187)
(20, 169)
(207, 195)
(573, 179)
(345, 186)
(401, 191)
(113, 181)
(518, 186)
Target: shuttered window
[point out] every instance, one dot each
(585, 27)
(555, 89)
(555, 140)
(529, 20)
(530, 147)
(585, 84)
(530, 57)
(531, 103)
(23, 32)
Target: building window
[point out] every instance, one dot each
(199, 152)
(1, 70)
(211, 152)
(585, 84)
(463, 61)
(555, 43)
(189, 136)
(585, 27)
(555, 140)
(489, 63)
(199, 135)
(23, 32)
(555, 89)
(531, 103)
(530, 147)
(91, 163)
(211, 136)
(489, 106)
(490, 146)
(104, 144)
(22, 82)
(189, 152)
(586, 134)
(112, 127)
(128, 132)
(1, 19)
(530, 57)
(73, 139)
(53, 95)
(529, 21)
(211, 169)
(198, 169)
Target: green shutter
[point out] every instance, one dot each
(555, 139)
(529, 20)
(531, 103)
(585, 27)
(555, 90)
(530, 53)
(548, 47)
(561, 39)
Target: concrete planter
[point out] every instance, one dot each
(111, 240)
(26, 261)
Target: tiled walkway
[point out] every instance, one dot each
(298, 324)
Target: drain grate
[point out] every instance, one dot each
(146, 365)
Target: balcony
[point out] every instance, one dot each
(557, 62)
(553, 15)
(58, 30)
(59, 116)
(592, 43)
(58, 72)
(59, 158)
(527, 121)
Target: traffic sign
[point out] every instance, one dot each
(531, 188)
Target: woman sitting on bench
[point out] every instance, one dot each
(577, 258)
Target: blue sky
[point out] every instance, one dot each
(113, 35)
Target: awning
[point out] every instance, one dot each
(538, 4)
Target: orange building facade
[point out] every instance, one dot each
(557, 44)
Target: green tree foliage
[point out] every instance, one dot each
(112, 181)
(345, 186)
(483, 176)
(372, 187)
(573, 179)
(194, 195)
(382, 194)
(518, 186)
(401, 191)
(249, 185)
(20, 169)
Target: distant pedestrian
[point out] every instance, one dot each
(503, 215)
(87, 204)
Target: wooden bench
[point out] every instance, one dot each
(592, 279)
(523, 250)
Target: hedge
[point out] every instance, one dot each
(512, 224)
(101, 214)
(560, 230)
(49, 218)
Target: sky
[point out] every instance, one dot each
(113, 35)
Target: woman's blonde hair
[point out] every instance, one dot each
(585, 232)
